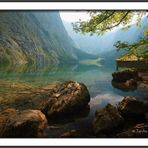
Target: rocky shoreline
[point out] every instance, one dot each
(64, 101)
(71, 99)
(115, 120)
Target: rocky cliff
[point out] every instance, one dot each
(34, 37)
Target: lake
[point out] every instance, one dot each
(25, 82)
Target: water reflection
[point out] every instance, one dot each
(97, 79)
(26, 86)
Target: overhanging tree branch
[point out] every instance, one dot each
(111, 27)
(105, 18)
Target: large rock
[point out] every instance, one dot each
(27, 123)
(126, 79)
(129, 85)
(124, 75)
(137, 131)
(4, 116)
(65, 99)
(130, 106)
(107, 120)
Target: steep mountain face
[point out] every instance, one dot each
(34, 37)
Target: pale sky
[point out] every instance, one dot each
(73, 16)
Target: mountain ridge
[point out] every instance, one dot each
(34, 37)
(100, 44)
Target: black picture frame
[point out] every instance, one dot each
(73, 0)
(68, 10)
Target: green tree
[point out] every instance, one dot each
(103, 21)
(125, 45)
(139, 49)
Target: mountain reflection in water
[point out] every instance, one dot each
(97, 79)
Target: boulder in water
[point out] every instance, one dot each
(19, 124)
(131, 107)
(126, 79)
(126, 74)
(129, 85)
(107, 120)
(67, 98)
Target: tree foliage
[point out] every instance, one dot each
(127, 46)
(103, 21)
(139, 49)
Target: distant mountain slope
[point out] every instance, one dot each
(103, 44)
(132, 35)
(32, 36)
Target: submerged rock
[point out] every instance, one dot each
(107, 120)
(130, 106)
(126, 79)
(67, 98)
(138, 131)
(27, 123)
(129, 85)
(124, 75)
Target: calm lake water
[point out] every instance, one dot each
(97, 79)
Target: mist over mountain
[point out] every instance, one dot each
(35, 37)
(102, 45)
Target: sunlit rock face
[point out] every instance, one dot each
(67, 98)
(22, 124)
